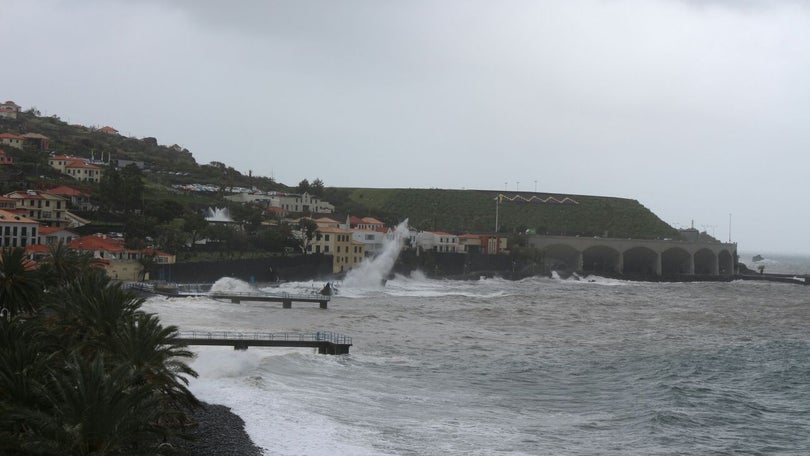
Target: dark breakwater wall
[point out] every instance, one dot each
(455, 265)
(271, 269)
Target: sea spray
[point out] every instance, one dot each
(372, 272)
(226, 284)
(218, 214)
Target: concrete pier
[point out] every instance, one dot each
(327, 343)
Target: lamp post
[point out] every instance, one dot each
(497, 204)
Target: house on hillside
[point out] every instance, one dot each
(9, 110)
(51, 235)
(83, 171)
(36, 141)
(5, 159)
(12, 140)
(59, 162)
(304, 203)
(78, 199)
(119, 262)
(47, 209)
(108, 130)
(76, 167)
(17, 230)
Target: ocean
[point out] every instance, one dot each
(533, 367)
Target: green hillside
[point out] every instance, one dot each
(455, 211)
(474, 211)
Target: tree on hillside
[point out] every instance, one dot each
(121, 190)
(317, 188)
(306, 232)
(303, 187)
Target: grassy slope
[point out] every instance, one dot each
(474, 210)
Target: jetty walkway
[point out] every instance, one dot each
(236, 297)
(327, 342)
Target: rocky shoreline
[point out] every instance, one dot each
(219, 432)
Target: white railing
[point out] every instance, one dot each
(320, 336)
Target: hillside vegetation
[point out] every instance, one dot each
(456, 211)
(474, 211)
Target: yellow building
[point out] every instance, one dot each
(346, 253)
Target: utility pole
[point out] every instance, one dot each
(729, 227)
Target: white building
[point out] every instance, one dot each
(17, 230)
(372, 240)
(438, 241)
(301, 203)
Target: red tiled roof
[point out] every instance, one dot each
(64, 190)
(34, 136)
(81, 164)
(50, 229)
(10, 136)
(441, 233)
(94, 242)
(38, 248)
(372, 221)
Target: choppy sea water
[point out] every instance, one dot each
(534, 367)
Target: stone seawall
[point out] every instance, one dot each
(271, 269)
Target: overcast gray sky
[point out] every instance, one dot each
(698, 109)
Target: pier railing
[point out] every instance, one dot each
(261, 294)
(319, 336)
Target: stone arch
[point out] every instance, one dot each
(601, 258)
(676, 261)
(706, 262)
(640, 260)
(562, 257)
(725, 262)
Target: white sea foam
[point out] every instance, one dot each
(231, 284)
(276, 419)
(372, 273)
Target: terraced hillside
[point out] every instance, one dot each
(474, 210)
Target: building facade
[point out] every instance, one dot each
(346, 253)
(17, 230)
(47, 209)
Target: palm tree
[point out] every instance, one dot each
(63, 264)
(156, 358)
(87, 311)
(20, 287)
(96, 411)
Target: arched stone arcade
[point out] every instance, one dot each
(641, 260)
(562, 257)
(676, 261)
(601, 258)
(636, 256)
